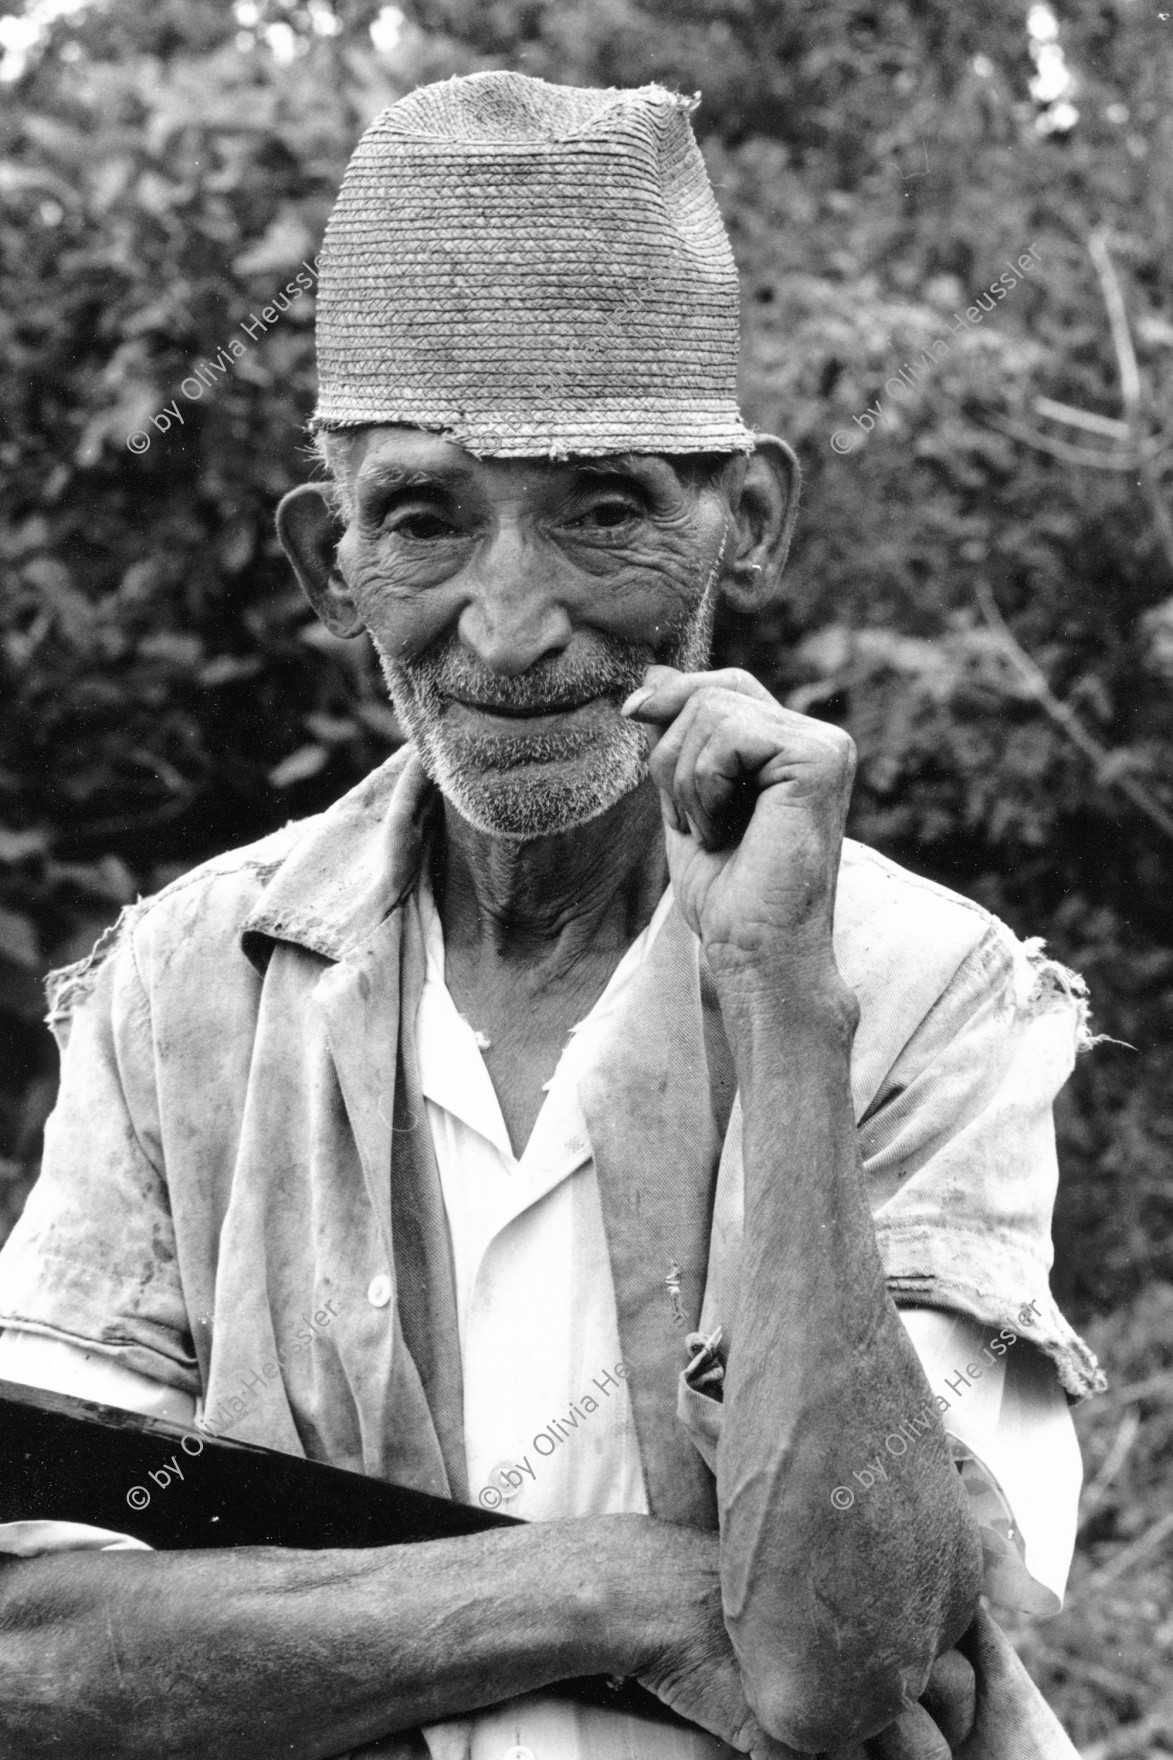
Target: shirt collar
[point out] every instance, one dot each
(453, 1073)
(349, 868)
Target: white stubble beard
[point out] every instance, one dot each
(492, 782)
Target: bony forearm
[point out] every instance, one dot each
(836, 1614)
(179, 1655)
(304, 1655)
(840, 1587)
(788, 994)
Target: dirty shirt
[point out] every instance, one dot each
(252, 1124)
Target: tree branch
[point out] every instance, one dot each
(1083, 418)
(1105, 762)
(1131, 388)
(1103, 461)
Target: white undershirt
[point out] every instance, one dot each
(539, 1337)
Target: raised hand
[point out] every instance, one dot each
(754, 798)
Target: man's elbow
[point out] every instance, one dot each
(828, 1675)
(829, 1697)
(831, 1704)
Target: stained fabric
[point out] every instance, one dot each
(237, 1142)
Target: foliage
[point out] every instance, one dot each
(166, 691)
(166, 166)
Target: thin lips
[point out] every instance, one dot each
(526, 714)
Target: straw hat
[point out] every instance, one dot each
(533, 270)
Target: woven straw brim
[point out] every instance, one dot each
(532, 297)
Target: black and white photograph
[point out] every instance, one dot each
(586, 880)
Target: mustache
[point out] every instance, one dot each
(612, 668)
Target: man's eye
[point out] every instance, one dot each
(423, 526)
(606, 515)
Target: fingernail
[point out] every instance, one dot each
(637, 699)
(674, 817)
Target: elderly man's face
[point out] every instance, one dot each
(515, 603)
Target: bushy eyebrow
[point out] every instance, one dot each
(385, 475)
(655, 474)
(627, 464)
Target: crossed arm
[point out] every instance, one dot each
(834, 1616)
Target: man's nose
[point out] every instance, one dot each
(516, 613)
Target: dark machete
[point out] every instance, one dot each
(67, 1459)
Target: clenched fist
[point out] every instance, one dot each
(754, 798)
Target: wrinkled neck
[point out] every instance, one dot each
(549, 898)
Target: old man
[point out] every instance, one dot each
(678, 1175)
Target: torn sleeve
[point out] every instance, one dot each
(92, 1261)
(959, 1147)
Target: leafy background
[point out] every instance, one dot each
(982, 588)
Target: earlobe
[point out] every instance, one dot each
(764, 516)
(309, 530)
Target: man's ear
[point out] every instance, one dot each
(765, 507)
(309, 530)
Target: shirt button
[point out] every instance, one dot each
(379, 1293)
(510, 1485)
